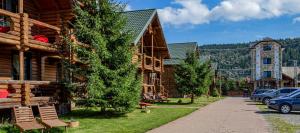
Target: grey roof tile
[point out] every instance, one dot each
(138, 21)
(178, 52)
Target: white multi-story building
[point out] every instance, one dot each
(266, 60)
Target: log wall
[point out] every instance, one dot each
(168, 81)
(5, 65)
(50, 73)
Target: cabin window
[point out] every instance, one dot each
(267, 74)
(16, 67)
(9, 5)
(267, 47)
(267, 60)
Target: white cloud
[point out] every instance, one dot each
(296, 20)
(196, 12)
(192, 11)
(128, 8)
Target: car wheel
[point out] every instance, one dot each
(266, 100)
(285, 108)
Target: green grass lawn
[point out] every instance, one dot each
(91, 121)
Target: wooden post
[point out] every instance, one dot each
(152, 49)
(21, 6)
(24, 29)
(21, 60)
(26, 94)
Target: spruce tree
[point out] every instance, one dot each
(110, 78)
(193, 77)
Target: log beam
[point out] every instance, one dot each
(21, 6)
(21, 60)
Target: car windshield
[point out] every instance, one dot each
(260, 91)
(269, 91)
(293, 93)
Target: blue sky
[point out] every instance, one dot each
(224, 21)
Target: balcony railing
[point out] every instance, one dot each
(10, 28)
(148, 62)
(19, 29)
(29, 93)
(157, 64)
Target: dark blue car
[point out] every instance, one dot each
(286, 104)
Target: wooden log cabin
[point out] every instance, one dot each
(30, 34)
(151, 48)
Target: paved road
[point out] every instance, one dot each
(231, 115)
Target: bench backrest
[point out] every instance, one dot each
(23, 114)
(48, 113)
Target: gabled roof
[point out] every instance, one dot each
(138, 22)
(267, 39)
(178, 52)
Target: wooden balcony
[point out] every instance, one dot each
(22, 30)
(137, 58)
(29, 93)
(157, 65)
(148, 62)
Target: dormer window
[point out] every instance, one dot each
(267, 47)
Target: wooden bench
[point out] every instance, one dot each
(144, 105)
(25, 120)
(49, 117)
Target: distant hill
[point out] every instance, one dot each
(237, 56)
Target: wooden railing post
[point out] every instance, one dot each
(25, 91)
(24, 21)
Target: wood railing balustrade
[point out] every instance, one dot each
(19, 31)
(23, 93)
(12, 36)
(148, 62)
(157, 64)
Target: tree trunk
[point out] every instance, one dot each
(192, 98)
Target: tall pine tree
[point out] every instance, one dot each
(110, 78)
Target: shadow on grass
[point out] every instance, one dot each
(277, 112)
(11, 129)
(173, 103)
(92, 113)
(76, 114)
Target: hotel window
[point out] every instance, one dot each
(267, 74)
(267, 60)
(267, 47)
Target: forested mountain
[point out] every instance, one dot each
(237, 56)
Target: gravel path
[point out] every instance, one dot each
(231, 115)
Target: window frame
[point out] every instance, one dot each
(27, 66)
(267, 74)
(267, 61)
(267, 47)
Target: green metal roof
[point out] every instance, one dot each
(138, 21)
(178, 52)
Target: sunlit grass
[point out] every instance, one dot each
(92, 121)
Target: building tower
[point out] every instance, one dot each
(266, 64)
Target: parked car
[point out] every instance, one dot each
(286, 104)
(257, 97)
(266, 97)
(256, 92)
